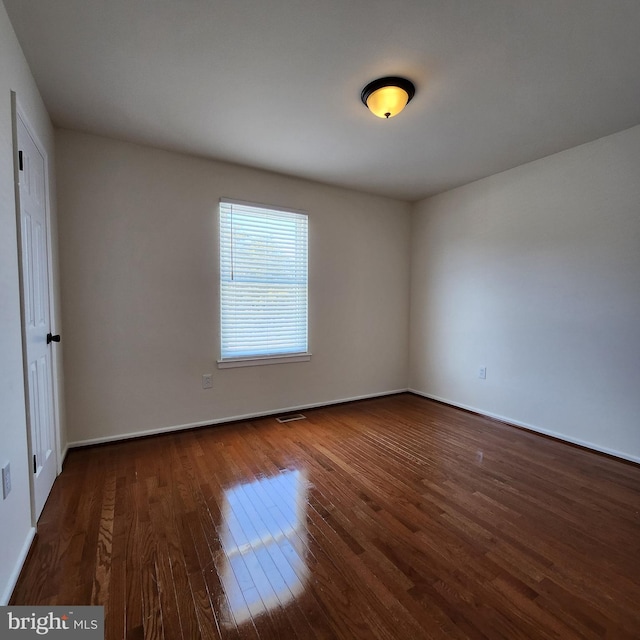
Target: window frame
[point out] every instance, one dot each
(257, 359)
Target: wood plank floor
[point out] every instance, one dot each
(392, 518)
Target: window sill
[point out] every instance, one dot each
(230, 363)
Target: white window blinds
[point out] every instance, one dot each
(263, 281)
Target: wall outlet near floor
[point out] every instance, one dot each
(6, 481)
(207, 381)
(482, 373)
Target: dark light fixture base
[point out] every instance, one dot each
(389, 81)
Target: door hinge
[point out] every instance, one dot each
(35, 464)
(20, 164)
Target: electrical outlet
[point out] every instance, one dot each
(207, 381)
(6, 481)
(482, 373)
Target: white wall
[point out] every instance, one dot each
(139, 264)
(535, 273)
(15, 511)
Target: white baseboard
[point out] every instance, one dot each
(531, 427)
(246, 416)
(15, 574)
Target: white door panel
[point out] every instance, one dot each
(36, 314)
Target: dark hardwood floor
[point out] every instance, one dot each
(394, 518)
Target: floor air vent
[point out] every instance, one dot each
(290, 417)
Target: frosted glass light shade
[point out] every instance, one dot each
(387, 102)
(387, 97)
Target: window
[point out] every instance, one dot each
(263, 284)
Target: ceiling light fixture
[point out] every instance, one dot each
(387, 97)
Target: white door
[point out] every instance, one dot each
(37, 337)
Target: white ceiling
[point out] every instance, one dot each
(276, 84)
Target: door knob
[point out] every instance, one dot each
(51, 338)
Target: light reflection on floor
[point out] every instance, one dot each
(263, 536)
